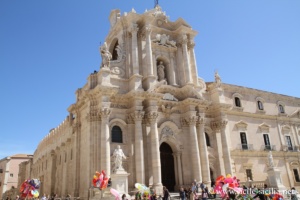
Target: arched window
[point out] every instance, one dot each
(281, 108)
(116, 135)
(237, 102)
(115, 52)
(260, 105)
(207, 140)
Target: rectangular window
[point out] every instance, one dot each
(296, 175)
(289, 142)
(11, 175)
(237, 102)
(267, 142)
(249, 174)
(244, 140)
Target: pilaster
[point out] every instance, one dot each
(105, 143)
(186, 60)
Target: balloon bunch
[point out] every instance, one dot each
(145, 191)
(115, 193)
(228, 182)
(100, 180)
(29, 188)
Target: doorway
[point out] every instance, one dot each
(167, 166)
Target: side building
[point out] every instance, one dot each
(172, 126)
(9, 171)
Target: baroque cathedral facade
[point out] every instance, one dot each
(172, 126)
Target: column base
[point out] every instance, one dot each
(158, 188)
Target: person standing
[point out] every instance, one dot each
(166, 193)
(182, 194)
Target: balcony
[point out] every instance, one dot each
(268, 147)
(290, 148)
(245, 147)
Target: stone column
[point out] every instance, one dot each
(216, 127)
(178, 155)
(155, 154)
(77, 130)
(226, 149)
(203, 152)
(134, 48)
(105, 143)
(195, 156)
(150, 79)
(139, 147)
(172, 72)
(193, 62)
(186, 60)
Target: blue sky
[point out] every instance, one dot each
(49, 47)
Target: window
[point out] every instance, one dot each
(244, 140)
(260, 105)
(1, 170)
(289, 142)
(249, 174)
(11, 175)
(296, 175)
(207, 140)
(237, 102)
(115, 51)
(267, 142)
(281, 109)
(116, 134)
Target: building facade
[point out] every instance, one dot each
(9, 171)
(172, 126)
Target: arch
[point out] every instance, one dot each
(237, 102)
(167, 166)
(167, 133)
(281, 107)
(116, 134)
(112, 47)
(122, 125)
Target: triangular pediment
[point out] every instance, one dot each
(296, 114)
(241, 125)
(264, 128)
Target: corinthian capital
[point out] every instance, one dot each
(134, 28)
(218, 125)
(148, 30)
(93, 116)
(104, 113)
(184, 39)
(200, 121)
(152, 116)
(137, 115)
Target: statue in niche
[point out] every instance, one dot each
(117, 156)
(218, 79)
(105, 54)
(119, 52)
(161, 71)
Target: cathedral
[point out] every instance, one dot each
(173, 127)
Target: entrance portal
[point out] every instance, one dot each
(167, 166)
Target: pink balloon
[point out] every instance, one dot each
(114, 192)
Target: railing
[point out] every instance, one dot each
(245, 147)
(258, 184)
(290, 148)
(268, 147)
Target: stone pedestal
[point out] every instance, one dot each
(94, 194)
(104, 76)
(274, 178)
(119, 181)
(135, 82)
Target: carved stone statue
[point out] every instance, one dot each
(117, 157)
(270, 160)
(119, 52)
(161, 71)
(218, 80)
(163, 39)
(105, 54)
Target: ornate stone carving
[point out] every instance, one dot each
(201, 121)
(148, 30)
(163, 39)
(104, 113)
(134, 28)
(161, 71)
(137, 115)
(218, 125)
(167, 132)
(105, 54)
(93, 115)
(117, 71)
(120, 52)
(168, 96)
(152, 116)
(191, 120)
(270, 160)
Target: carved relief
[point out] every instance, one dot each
(167, 132)
(137, 115)
(163, 39)
(152, 116)
(218, 125)
(170, 97)
(117, 71)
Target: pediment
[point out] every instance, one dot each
(264, 128)
(241, 125)
(285, 129)
(295, 114)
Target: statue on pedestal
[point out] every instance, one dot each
(270, 158)
(218, 80)
(105, 54)
(117, 157)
